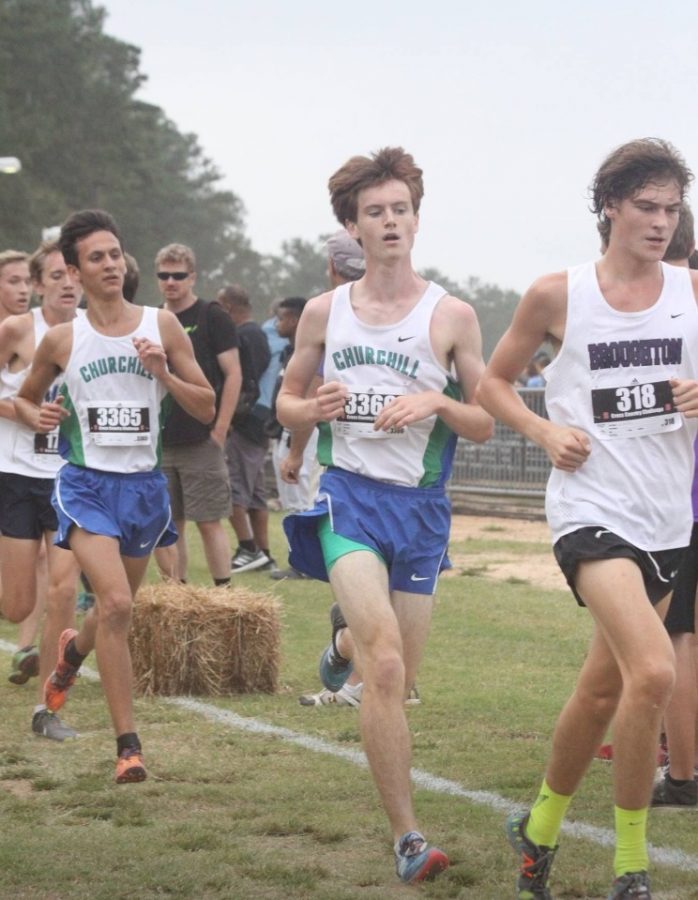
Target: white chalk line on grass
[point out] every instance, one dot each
(677, 859)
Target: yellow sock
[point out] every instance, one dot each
(631, 841)
(546, 816)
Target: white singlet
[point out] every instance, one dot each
(611, 379)
(115, 405)
(26, 452)
(379, 363)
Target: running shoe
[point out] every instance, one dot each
(633, 884)
(47, 724)
(334, 668)
(416, 861)
(666, 793)
(291, 574)
(536, 861)
(129, 766)
(248, 560)
(328, 698)
(63, 676)
(24, 665)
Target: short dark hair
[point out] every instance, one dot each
(360, 172)
(81, 225)
(683, 241)
(295, 304)
(234, 295)
(131, 278)
(628, 168)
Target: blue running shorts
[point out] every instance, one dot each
(134, 508)
(407, 527)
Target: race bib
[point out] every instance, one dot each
(634, 410)
(361, 409)
(118, 423)
(46, 445)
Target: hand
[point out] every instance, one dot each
(330, 399)
(685, 394)
(51, 415)
(218, 436)
(407, 409)
(290, 467)
(567, 448)
(152, 357)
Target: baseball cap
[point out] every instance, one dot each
(346, 255)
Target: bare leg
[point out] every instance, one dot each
(115, 580)
(360, 584)
(29, 627)
(640, 646)
(259, 521)
(241, 524)
(680, 715)
(60, 607)
(18, 558)
(216, 548)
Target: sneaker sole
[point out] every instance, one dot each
(435, 865)
(28, 668)
(250, 567)
(132, 776)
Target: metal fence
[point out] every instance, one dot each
(508, 464)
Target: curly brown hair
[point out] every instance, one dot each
(628, 169)
(360, 172)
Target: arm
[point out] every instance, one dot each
(294, 408)
(292, 463)
(540, 315)
(455, 335)
(229, 361)
(49, 360)
(189, 386)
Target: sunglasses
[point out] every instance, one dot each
(177, 276)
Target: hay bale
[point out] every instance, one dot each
(187, 639)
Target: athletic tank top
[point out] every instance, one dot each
(378, 363)
(28, 452)
(115, 406)
(611, 379)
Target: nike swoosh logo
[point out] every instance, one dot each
(410, 338)
(143, 546)
(673, 316)
(599, 533)
(419, 578)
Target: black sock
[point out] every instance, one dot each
(678, 782)
(219, 582)
(128, 741)
(71, 655)
(249, 545)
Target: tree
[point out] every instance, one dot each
(86, 141)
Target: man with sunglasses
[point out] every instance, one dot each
(193, 454)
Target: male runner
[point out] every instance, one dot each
(621, 395)
(400, 359)
(118, 364)
(28, 466)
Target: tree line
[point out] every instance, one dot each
(69, 111)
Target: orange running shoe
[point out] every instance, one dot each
(130, 767)
(63, 676)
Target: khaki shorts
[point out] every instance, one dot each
(197, 479)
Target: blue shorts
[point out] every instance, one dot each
(407, 527)
(134, 508)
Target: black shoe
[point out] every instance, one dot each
(666, 793)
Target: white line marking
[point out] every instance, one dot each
(666, 856)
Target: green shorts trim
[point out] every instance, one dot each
(334, 546)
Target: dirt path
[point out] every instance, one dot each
(538, 567)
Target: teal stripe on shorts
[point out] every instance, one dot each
(334, 546)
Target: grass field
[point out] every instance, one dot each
(233, 811)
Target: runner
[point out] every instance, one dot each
(622, 402)
(400, 359)
(118, 364)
